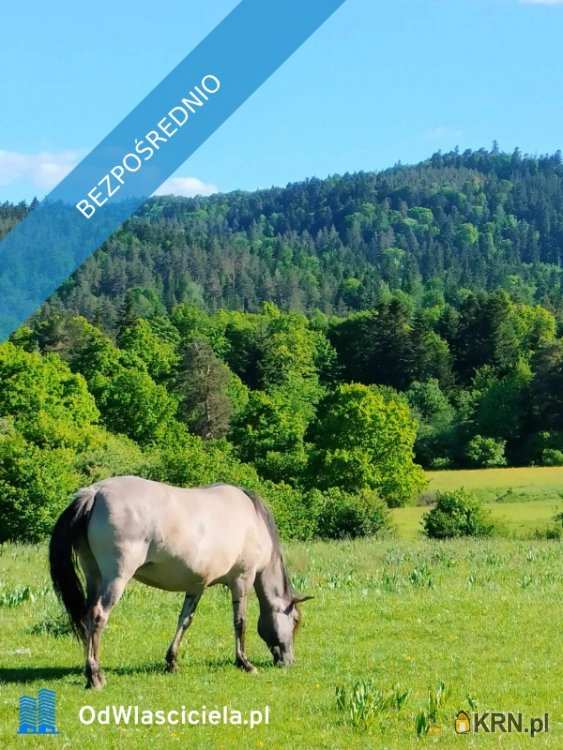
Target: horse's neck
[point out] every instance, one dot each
(271, 583)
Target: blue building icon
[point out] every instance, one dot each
(38, 715)
(28, 715)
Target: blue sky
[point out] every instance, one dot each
(378, 83)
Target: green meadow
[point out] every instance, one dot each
(520, 520)
(521, 500)
(502, 485)
(481, 617)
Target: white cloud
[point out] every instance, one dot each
(443, 133)
(42, 170)
(186, 187)
(541, 2)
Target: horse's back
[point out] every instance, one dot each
(175, 538)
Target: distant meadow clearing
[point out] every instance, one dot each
(521, 500)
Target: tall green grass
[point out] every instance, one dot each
(481, 617)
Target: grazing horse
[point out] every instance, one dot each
(173, 539)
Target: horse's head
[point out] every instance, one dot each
(277, 626)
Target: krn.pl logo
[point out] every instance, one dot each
(462, 723)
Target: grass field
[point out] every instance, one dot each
(484, 617)
(502, 485)
(520, 500)
(514, 519)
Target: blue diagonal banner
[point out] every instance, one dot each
(147, 147)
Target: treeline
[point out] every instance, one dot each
(329, 417)
(482, 377)
(478, 220)
(193, 399)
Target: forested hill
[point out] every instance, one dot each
(478, 220)
(329, 416)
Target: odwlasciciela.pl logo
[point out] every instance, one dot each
(38, 715)
(500, 721)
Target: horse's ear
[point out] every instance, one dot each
(299, 598)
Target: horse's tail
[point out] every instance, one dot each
(69, 530)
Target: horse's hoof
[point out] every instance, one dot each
(96, 682)
(247, 667)
(171, 667)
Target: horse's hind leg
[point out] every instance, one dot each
(184, 622)
(99, 609)
(93, 584)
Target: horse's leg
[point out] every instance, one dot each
(95, 621)
(239, 591)
(93, 583)
(184, 622)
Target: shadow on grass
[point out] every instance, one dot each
(152, 667)
(212, 665)
(37, 674)
(25, 675)
(219, 665)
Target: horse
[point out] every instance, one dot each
(174, 539)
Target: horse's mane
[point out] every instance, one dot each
(266, 515)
